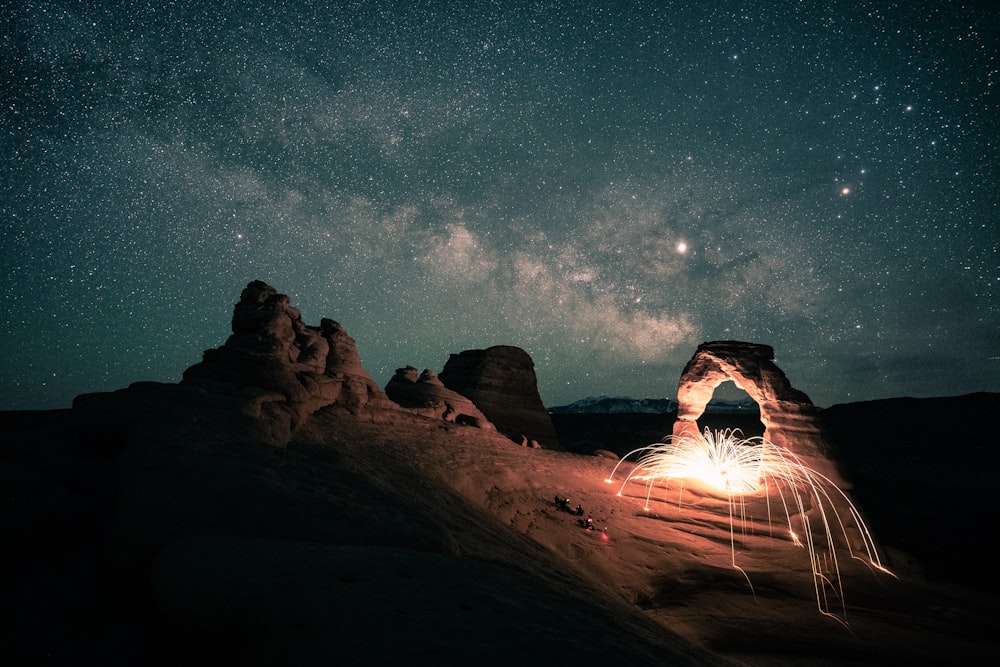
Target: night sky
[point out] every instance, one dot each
(604, 186)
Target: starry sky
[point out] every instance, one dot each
(606, 185)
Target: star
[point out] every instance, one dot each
(529, 178)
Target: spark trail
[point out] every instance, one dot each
(726, 463)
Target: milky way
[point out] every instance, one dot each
(604, 187)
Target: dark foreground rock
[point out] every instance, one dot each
(926, 469)
(157, 525)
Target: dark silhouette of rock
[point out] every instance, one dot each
(924, 484)
(788, 415)
(286, 369)
(501, 381)
(427, 395)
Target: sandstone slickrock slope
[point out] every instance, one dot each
(160, 525)
(501, 381)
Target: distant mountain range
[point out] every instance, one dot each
(626, 405)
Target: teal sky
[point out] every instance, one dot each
(605, 187)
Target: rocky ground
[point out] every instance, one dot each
(160, 525)
(278, 507)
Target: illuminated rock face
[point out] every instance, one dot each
(789, 417)
(284, 369)
(501, 381)
(427, 395)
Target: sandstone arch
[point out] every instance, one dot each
(788, 416)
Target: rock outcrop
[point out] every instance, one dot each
(501, 381)
(789, 416)
(427, 395)
(285, 369)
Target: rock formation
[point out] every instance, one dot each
(279, 371)
(427, 395)
(284, 368)
(501, 381)
(789, 416)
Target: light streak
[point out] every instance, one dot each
(725, 462)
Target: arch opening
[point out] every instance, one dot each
(730, 406)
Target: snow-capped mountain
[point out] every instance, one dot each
(617, 405)
(626, 405)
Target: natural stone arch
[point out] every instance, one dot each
(788, 416)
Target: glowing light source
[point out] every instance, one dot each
(682, 247)
(725, 462)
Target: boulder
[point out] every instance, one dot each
(501, 382)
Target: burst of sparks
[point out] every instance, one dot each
(726, 462)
